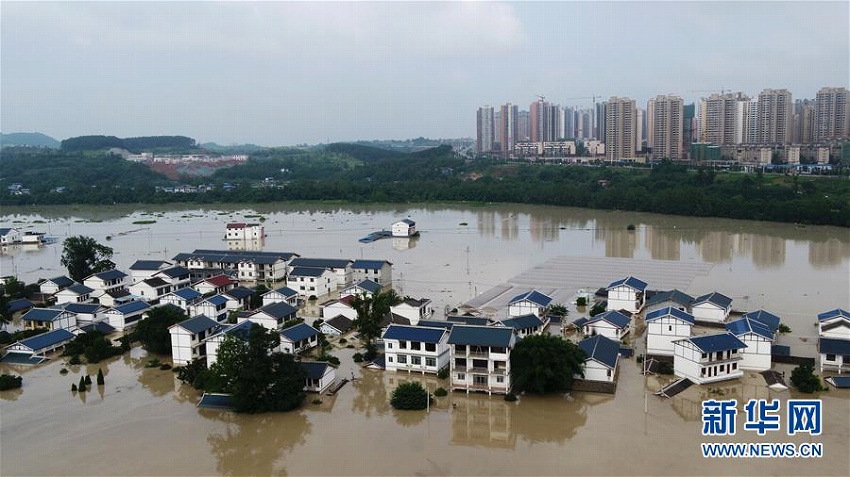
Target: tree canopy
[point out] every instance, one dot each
(371, 311)
(153, 333)
(409, 395)
(546, 363)
(83, 256)
(258, 378)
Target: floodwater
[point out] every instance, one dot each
(144, 422)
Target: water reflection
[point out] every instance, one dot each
(11, 394)
(510, 225)
(253, 445)
(662, 244)
(482, 421)
(768, 251)
(688, 404)
(486, 223)
(371, 397)
(828, 253)
(404, 243)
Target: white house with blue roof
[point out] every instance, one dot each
(627, 294)
(340, 268)
(767, 318)
(214, 307)
(416, 348)
(76, 293)
(531, 302)
(188, 338)
(102, 282)
(247, 265)
(144, 269)
(663, 327)
(150, 289)
(298, 338)
(712, 307)
(603, 355)
(9, 235)
(84, 312)
(319, 376)
(33, 349)
(53, 285)
(272, 316)
(708, 358)
(178, 277)
(668, 299)
(238, 331)
(611, 324)
(413, 309)
(481, 358)
(526, 325)
(309, 281)
(834, 340)
(378, 271)
(404, 228)
(284, 294)
(127, 315)
(759, 340)
(50, 318)
(363, 287)
(183, 298)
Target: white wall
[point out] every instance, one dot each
(709, 312)
(660, 336)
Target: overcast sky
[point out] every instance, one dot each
(290, 73)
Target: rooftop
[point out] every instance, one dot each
(716, 342)
(131, 307)
(422, 334)
(834, 346)
(370, 264)
(108, 275)
(601, 349)
(670, 311)
(198, 324)
(298, 332)
(307, 272)
(533, 296)
(341, 323)
(836, 313)
(522, 322)
(611, 316)
(481, 336)
(314, 369)
(187, 293)
(675, 296)
(43, 315)
(320, 262)
(45, 340)
(715, 298)
(746, 325)
(765, 317)
(149, 264)
(279, 309)
(630, 281)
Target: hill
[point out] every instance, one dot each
(133, 144)
(33, 139)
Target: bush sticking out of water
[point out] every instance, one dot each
(313, 298)
(443, 373)
(63, 371)
(639, 359)
(597, 309)
(440, 392)
(88, 380)
(9, 381)
(581, 301)
(165, 367)
(100, 379)
(144, 222)
(343, 341)
(317, 401)
(783, 328)
(463, 224)
(630, 227)
(74, 387)
(510, 397)
(409, 396)
(82, 386)
(358, 358)
(351, 346)
(805, 380)
(74, 360)
(153, 363)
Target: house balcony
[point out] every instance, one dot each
(712, 362)
(479, 354)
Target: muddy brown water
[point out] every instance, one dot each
(144, 422)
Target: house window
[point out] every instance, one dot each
(498, 349)
(430, 347)
(609, 373)
(415, 360)
(415, 345)
(460, 348)
(402, 344)
(734, 366)
(389, 345)
(461, 376)
(500, 379)
(430, 362)
(669, 327)
(830, 357)
(390, 359)
(704, 355)
(402, 359)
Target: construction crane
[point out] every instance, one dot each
(542, 98)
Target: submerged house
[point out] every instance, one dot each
(481, 358)
(363, 287)
(526, 325)
(378, 271)
(336, 326)
(413, 309)
(663, 327)
(404, 228)
(284, 294)
(759, 340)
(416, 348)
(33, 349)
(50, 318)
(668, 299)
(272, 316)
(188, 338)
(55, 284)
(611, 324)
(124, 316)
(603, 354)
(532, 302)
(184, 298)
(76, 293)
(709, 358)
(627, 294)
(319, 376)
(712, 308)
(834, 340)
(298, 338)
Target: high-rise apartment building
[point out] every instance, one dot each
(832, 113)
(523, 126)
(508, 127)
(668, 112)
(545, 119)
(775, 113)
(601, 119)
(804, 122)
(619, 128)
(569, 123)
(722, 118)
(486, 130)
(751, 123)
(688, 120)
(640, 128)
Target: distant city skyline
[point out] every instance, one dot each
(286, 73)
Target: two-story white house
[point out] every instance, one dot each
(178, 277)
(340, 268)
(332, 308)
(54, 285)
(336, 326)
(150, 289)
(298, 338)
(108, 281)
(50, 318)
(532, 302)
(311, 281)
(404, 228)
(627, 294)
(759, 340)
(834, 340)
(416, 348)
(363, 287)
(481, 358)
(272, 316)
(188, 338)
(85, 313)
(243, 231)
(603, 354)
(127, 315)
(144, 269)
(319, 376)
(284, 294)
(712, 307)
(214, 307)
(239, 331)
(611, 324)
(378, 271)
(668, 299)
(74, 294)
(413, 309)
(216, 284)
(183, 298)
(767, 318)
(526, 325)
(708, 358)
(663, 327)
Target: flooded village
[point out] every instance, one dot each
(721, 302)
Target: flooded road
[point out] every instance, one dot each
(144, 422)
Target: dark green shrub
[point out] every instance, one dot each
(597, 309)
(74, 360)
(165, 366)
(9, 381)
(74, 387)
(805, 380)
(153, 363)
(358, 358)
(63, 371)
(409, 395)
(630, 227)
(100, 379)
(510, 397)
(82, 386)
(443, 373)
(665, 368)
(581, 301)
(783, 328)
(440, 392)
(88, 380)
(343, 341)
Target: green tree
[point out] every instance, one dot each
(10, 381)
(804, 378)
(259, 379)
(83, 256)
(257, 296)
(100, 380)
(409, 395)
(153, 333)
(546, 363)
(371, 311)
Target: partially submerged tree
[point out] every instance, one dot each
(83, 256)
(546, 363)
(804, 379)
(153, 333)
(371, 311)
(409, 395)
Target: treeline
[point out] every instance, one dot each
(134, 144)
(439, 175)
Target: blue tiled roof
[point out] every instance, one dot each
(718, 342)
(19, 305)
(533, 296)
(630, 281)
(370, 286)
(100, 326)
(61, 281)
(148, 264)
(188, 293)
(836, 313)
(217, 300)
(234, 256)
(4, 230)
(109, 275)
(341, 323)
(198, 324)
(84, 308)
(369, 264)
(307, 272)
(481, 336)
(522, 322)
(314, 369)
(602, 349)
(48, 339)
(216, 401)
(131, 307)
(834, 346)
(718, 299)
(285, 291)
(746, 325)
(408, 221)
(675, 312)
(240, 330)
(279, 309)
(766, 318)
(673, 295)
(580, 322)
(298, 332)
(239, 293)
(79, 289)
(612, 316)
(42, 315)
(436, 324)
(469, 320)
(320, 262)
(175, 272)
(414, 333)
(839, 381)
